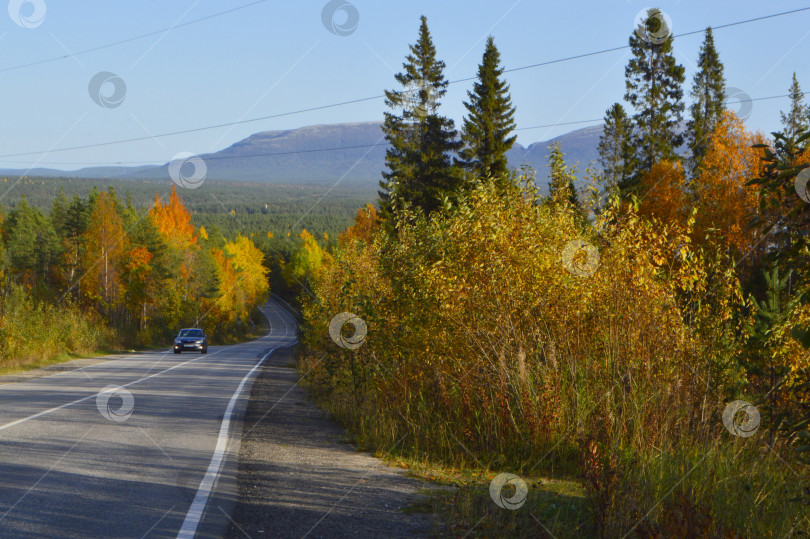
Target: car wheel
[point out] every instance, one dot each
(177, 351)
(204, 351)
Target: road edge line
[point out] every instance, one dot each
(196, 511)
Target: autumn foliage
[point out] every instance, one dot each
(665, 195)
(716, 204)
(145, 273)
(725, 204)
(485, 349)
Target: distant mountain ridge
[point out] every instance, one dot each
(353, 153)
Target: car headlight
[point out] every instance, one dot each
(177, 341)
(199, 341)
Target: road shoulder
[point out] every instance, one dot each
(298, 477)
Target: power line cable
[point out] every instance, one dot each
(129, 39)
(359, 146)
(353, 101)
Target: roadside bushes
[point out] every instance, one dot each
(521, 335)
(33, 331)
(476, 317)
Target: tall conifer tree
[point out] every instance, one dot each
(709, 94)
(615, 148)
(654, 88)
(420, 166)
(487, 130)
(796, 119)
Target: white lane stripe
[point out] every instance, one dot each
(103, 360)
(195, 511)
(286, 328)
(77, 401)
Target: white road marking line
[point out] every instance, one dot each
(5, 385)
(83, 399)
(119, 357)
(197, 508)
(93, 396)
(195, 512)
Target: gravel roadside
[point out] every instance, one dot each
(299, 478)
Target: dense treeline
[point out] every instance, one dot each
(143, 274)
(233, 207)
(609, 333)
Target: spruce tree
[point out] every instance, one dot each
(419, 161)
(709, 94)
(486, 133)
(615, 148)
(654, 88)
(31, 243)
(797, 119)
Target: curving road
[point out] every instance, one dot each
(142, 446)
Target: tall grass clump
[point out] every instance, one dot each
(490, 341)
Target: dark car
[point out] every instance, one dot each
(191, 339)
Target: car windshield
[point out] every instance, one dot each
(190, 333)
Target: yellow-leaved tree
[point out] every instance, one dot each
(306, 262)
(366, 224)
(251, 274)
(105, 244)
(724, 203)
(173, 221)
(242, 280)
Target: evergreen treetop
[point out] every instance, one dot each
(797, 119)
(654, 88)
(421, 173)
(709, 94)
(487, 130)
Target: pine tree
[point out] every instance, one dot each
(797, 118)
(491, 120)
(420, 170)
(769, 314)
(709, 93)
(654, 88)
(561, 179)
(615, 149)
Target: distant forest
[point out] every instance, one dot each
(230, 207)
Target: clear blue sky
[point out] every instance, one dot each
(276, 57)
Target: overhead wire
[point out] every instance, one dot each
(341, 103)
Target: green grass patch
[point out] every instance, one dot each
(463, 507)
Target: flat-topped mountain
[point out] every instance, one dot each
(353, 153)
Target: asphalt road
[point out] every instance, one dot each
(153, 456)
